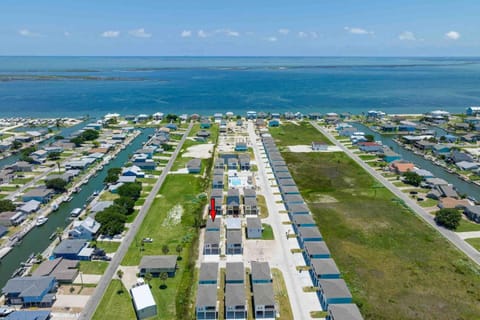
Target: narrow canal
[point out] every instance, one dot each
(65, 132)
(37, 240)
(462, 186)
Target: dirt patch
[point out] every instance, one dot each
(201, 151)
(174, 216)
(323, 198)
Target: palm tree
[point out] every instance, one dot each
(165, 249)
(163, 277)
(148, 277)
(120, 273)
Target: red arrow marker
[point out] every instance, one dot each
(213, 212)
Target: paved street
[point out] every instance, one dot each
(92, 304)
(451, 236)
(278, 253)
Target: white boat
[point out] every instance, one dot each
(41, 221)
(76, 212)
(54, 207)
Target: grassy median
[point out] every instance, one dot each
(397, 267)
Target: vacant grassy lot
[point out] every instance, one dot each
(93, 267)
(267, 233)
(281, 295)
(290, 134)
(383, 249)
(108, 246)
(396, 266)
(116, 304)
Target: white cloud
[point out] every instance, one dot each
(140, 33)
(407, 36)
(186, 33)
(110, 34)
(452, 35)
(302, 34)
(272, 39)
(202, 34)
(314, 35)
(228, 32)
(360, 31)
(66, 34)
(284, 31)
(27, 33)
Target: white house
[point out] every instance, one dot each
(85, 229)
(143, 302)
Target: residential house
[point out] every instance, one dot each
(84, 229)
(194, 166)
(251, 115)
(234, 242)
(260, 272)
(452, 203)
(158, 116)
(323, 269)
(333, 291)
(244, 162)
(235, 301)
(203, 135)
(30, 291)
(346, 311)
(211, 243)
(298, 209)
(206, 306)
(315, 250)
(308, 234)
(217, 195)
(319, 146)
(473, 213)
(292, 199)
(218, 182)
(264, 301)
(370, 147)
(389, 128)
(467, 166)
(30, 207)
(73, 249)
(217, 117)
(234, 273)
(213, 225)
(302, 220)
(29, 315)
(133, 171)
(241, 146)
(458, 156)
(6, 176)
(11, 218)
(233, 202)
(208, 273)
(273, 123)
(254, 228)
(219, 163)
(390, 156)
(461, 126)
(22, 166)
(100, 206)
(143, 301)
(155, 265)
(205, 124)
(424, 145)
(471, 137)
(401, 167)
(40, 194)
(441, 149)
(250, 206)
(232, 164)
(64, 271)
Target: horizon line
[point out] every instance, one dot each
(238, 56)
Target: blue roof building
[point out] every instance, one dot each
(30, 291)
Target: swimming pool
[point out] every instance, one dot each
(235, 181)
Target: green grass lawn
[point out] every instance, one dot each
(290, 134)
(262, 206)
(93, 267)
(366, 157)
(474, 242)
(147, 180)
(395, 265)
(8, 188)
(21, 180)
(427, 202)
(281, 295)
(267, 233)
(108, 196)
(466, 225)
(108, 246)
(115, 305)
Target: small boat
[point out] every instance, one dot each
(69, 199)
(96, 193)
(77, 190)
(54, 207)
(76, 212)
(41, 221)
(53, 235)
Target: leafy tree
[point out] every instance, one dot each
(449, 218)
(171, 117)
(58, 137)
(112, 175)
(57, 184)
(120, 273)
(165, 249)
(166, 147)
(164, 278)
(148, 277)
(179, 248)
(90, 134)
(54, 156)
(7, 205)
(369, 137)
(130, 190)
(412, 178)
(77, 140)
(16, 145)
(112, 222)
(126, 204)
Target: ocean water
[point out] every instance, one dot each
(75, 86)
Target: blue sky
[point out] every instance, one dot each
(181, 27)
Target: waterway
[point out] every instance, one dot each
(461, 186)
(37, 240)
(65, 132)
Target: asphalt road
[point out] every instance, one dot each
(428, 218)
(102, 285)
